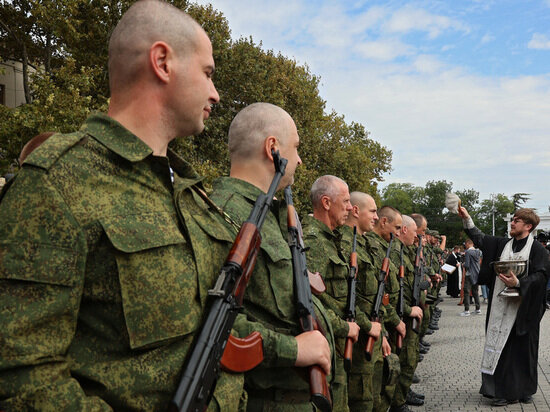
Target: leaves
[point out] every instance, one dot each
(69, 40)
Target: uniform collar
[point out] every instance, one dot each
(243, 188)
(323, 228)
(116, 137)
(378, 238)
(348, 231)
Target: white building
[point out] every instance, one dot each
(12, 93)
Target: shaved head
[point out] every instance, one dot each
(388, 212)
(421, 223)
(409, 222)
(360, 199)
(363, 214)
(252, 125)
(326, 185)
(145, 23)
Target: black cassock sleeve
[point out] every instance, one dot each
(533, 290)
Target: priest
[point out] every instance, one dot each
(509, 363)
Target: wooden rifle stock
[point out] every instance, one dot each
(316, 283)
(416, 289)
(380, 298)
(203, 362)
(399, 338)
(318, 386)
(242, 354)
(350, 306)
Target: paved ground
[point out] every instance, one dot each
(449, 373)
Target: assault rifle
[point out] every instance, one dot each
(202, 366)
(417, 283)
(318, 387)
(350, 304)
(381, 297)
(400, 302)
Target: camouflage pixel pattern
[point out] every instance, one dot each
(360, 380)
(326, 256)
(377, 247)
(269, 302)
(410, 350)
(104, 271)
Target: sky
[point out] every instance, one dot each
(458, 90)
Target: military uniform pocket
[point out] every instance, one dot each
(337, 283)
(157, 275)
(34, 262)
(360, 387)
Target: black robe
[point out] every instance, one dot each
(452, 279)
(516, 374)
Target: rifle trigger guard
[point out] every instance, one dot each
(217, 290)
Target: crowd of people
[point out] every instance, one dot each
(111, 247)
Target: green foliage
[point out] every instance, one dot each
(502, 205)
(69, 39)
(404, 196)
(430, 201)
(518, 199)
(61, 102)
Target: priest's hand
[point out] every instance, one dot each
(463, 213)
(509, 279)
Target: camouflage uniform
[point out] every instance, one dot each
(269, 305)
(429, 270)
(377, 247)
(360, 385)
(104, 271)
(326, 257)
(409, 352)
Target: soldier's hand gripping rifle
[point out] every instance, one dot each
(400, 303)
(318, 386)
(418, 272)
(350, 304)
(381, 298)
(202, 365)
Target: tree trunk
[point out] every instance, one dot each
(48, 53)
(26, 74)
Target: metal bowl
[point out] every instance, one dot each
(507, 266)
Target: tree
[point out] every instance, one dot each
(404, 196)
(518, 199)
(501, 205)
(68, 41)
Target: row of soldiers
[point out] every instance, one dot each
(378, 384)
(109, 247)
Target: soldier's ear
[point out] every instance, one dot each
(270, 142)
(355, 211)
(325, 201)
(160, 58)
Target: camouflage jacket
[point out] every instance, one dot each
(367, 285)
(269, 301)
(326, 256)
(104, 270)
(411, 257)
(408, 280)
(376, 248)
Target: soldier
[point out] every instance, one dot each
(389, 222)
(360, 385)
(105, 259)
(409, 352)
(331, 206)
(269, 303)
(421, 227)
